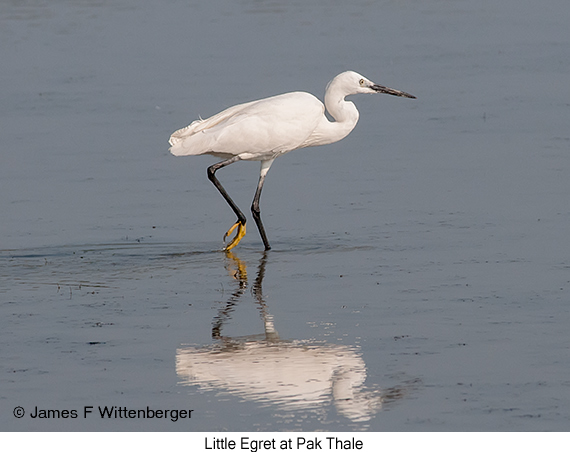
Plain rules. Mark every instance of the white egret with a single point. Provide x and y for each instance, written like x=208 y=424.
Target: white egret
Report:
x=264 y=129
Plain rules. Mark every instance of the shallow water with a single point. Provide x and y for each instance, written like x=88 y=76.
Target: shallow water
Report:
x=419 y=274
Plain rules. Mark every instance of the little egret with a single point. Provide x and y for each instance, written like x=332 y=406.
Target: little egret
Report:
x=264 y=129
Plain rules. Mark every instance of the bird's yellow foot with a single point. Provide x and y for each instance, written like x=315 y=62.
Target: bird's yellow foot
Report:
x=239 y=235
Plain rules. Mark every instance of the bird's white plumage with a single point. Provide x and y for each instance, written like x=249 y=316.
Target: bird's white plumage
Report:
x=258 y=130
x=265 y=129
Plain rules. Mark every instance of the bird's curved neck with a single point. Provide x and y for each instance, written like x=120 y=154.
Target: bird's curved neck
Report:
x=344 y=112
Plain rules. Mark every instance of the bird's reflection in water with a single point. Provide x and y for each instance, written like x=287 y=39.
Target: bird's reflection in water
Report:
x=291 y=375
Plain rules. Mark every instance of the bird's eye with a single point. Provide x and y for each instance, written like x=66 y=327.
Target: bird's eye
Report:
x=361 y=82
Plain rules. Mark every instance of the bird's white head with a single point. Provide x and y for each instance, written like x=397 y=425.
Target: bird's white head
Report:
x=351 y=82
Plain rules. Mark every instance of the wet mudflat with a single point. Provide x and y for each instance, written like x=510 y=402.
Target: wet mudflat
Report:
x=419 y=274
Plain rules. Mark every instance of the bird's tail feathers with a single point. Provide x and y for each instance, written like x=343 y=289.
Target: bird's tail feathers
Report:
x=185 y=132
x=180 y=140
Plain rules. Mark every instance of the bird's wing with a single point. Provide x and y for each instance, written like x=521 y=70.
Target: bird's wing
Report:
x=257 y=130
x=203 y=124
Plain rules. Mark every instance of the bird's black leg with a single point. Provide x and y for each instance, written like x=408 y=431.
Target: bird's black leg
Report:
x=240 y=223
x=256 y=212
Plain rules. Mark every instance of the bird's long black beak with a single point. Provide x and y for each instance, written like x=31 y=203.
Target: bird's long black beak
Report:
x=392 y=92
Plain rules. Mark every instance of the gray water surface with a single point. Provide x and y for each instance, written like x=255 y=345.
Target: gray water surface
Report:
x=419 y=274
